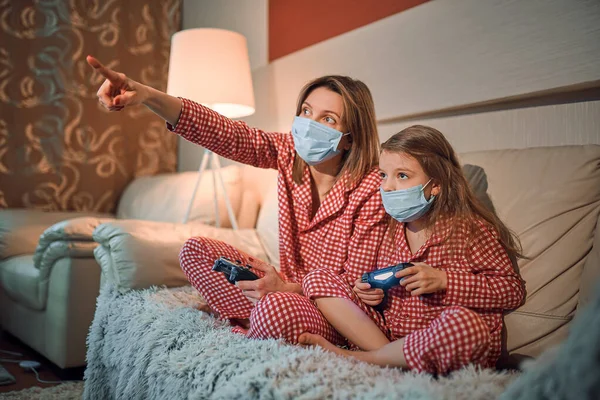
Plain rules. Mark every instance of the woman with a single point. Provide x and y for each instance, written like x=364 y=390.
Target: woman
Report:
x=330 y=212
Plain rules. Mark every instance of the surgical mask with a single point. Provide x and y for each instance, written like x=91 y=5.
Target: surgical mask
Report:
x=406 y=205
x=315 y=142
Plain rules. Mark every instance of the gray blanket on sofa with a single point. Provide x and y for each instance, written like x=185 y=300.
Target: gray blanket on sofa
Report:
x=153 y=344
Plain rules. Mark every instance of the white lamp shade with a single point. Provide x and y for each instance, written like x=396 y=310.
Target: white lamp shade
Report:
x=211 y=67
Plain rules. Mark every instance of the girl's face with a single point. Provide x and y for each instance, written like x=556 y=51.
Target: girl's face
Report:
x=402 y=171
x=326 y=107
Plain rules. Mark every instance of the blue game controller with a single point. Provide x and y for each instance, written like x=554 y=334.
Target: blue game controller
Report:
x=384 y=278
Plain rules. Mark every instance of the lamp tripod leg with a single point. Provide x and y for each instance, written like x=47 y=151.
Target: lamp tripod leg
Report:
x=230 y=213
x=201 y=169
x=215 y=169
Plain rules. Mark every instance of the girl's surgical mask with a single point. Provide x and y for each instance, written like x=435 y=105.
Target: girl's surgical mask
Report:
x=406 y=205
x=315 y=142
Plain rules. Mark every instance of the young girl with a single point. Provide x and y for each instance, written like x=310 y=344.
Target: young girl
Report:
x=330 y=213
x=447 y=311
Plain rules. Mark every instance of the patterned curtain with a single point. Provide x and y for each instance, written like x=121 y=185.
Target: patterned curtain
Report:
x=59 y=149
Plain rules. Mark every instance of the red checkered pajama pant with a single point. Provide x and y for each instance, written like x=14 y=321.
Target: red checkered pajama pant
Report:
x=276 y=315
x=456 y=338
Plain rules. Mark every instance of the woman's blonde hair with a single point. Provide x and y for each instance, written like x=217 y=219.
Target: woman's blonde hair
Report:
x=358 y=117
x=456 y=198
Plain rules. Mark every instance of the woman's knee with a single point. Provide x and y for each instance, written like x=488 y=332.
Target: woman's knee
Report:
x=197 y=252
x=276 y=307
x=281 y=315
x=316 y=282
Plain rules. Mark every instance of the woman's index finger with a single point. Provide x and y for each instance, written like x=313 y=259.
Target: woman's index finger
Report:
x=108 y=73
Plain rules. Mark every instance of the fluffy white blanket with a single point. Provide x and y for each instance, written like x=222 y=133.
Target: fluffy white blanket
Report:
x=153 y=344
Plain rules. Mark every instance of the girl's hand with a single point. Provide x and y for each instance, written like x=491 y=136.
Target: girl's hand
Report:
x=369 y=296
x=117 y=91
x=425 y=279
x=270 y=282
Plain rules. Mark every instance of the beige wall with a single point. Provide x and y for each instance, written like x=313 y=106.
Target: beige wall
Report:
x=453 y=53
x=551 y=125
x=248 y=17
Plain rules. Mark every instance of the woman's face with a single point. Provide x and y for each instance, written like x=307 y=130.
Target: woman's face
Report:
x=402 y=171
x=326 y=107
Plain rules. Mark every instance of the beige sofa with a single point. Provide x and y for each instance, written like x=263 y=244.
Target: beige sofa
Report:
x=549 y=196
x=49 y=278
x=150 y=343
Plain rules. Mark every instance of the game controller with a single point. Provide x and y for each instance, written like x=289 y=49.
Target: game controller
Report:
x=384 y=278
x=234 y=270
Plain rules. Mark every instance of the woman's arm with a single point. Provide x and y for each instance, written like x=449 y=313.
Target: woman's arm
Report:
x=165 y=106
x=194 y=122
x=232 y=139
x=293 y=288
x=270 y=282
x=118 y=91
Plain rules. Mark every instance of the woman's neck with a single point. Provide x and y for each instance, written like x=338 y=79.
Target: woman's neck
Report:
x=325 y=174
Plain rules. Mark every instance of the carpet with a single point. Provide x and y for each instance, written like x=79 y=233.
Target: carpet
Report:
x=64 y=391
x=153 y=343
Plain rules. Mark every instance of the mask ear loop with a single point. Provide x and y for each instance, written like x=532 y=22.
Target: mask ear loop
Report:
x=347 y=134
x=431 y=196
x=341 y=137
x=423 y=188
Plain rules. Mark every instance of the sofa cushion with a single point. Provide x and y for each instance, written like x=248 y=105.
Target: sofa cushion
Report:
x=256 y=184
x=551 y=198
x=139 y=254
x=21 y=282
x=165 y=197
x=267 y=225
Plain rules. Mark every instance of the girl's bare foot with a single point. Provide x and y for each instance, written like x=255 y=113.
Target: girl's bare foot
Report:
x=391 y=355
x=312 y=339
x=205 y=308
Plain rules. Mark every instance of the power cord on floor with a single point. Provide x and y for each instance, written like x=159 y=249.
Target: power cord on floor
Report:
x=12 y=353
x=32 y=365
x=9 y=360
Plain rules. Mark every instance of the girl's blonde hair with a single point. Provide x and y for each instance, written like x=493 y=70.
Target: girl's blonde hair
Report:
x=456 y=200
x=358 y=117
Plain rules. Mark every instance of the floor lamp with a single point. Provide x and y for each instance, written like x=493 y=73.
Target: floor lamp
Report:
x=211 y=67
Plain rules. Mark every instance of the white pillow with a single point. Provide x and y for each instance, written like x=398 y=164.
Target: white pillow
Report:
x=267 y=225
x=166 y=197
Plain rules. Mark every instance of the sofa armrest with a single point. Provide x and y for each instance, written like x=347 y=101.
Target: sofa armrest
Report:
x=20 y=229
x=69 y=238
x=136 y=254
x=29 y=276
